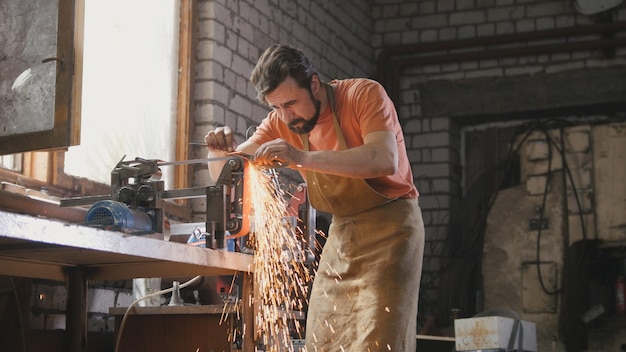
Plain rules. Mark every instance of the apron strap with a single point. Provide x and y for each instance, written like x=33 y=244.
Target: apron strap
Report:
x=330 y=93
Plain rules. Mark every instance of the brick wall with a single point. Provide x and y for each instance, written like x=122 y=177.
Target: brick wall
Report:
x=49 y=300
x=233 y=34
x=434 y=140
x=345 y=38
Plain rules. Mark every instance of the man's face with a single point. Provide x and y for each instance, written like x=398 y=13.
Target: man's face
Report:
x=296 y=106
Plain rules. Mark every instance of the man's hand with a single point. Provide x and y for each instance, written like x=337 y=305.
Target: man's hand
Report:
x=221 y=138
x=278 y=152
x=219 y=142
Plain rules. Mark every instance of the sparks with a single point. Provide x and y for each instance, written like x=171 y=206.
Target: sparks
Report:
x=280 y=275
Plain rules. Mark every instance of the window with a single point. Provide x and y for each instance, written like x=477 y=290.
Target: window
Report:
x=147 y=94
x=129 y=91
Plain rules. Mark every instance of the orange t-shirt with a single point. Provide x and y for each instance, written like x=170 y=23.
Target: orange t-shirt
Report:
x=362 y=106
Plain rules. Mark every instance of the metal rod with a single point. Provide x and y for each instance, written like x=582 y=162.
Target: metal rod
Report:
x=184 y=193
x=193 y=161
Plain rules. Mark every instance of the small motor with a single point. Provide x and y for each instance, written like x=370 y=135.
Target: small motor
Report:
x=115 y=215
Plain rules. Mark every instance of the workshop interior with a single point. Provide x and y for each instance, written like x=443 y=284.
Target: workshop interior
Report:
x=114 y=237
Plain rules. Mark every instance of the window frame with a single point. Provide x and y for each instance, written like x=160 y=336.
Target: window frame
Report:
x=66 y=128
x=45 y=169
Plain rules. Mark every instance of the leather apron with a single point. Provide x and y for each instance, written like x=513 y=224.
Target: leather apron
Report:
x=336 y=194
x=365 y=293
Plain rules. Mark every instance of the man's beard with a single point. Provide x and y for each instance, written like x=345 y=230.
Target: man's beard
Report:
x=307 y=125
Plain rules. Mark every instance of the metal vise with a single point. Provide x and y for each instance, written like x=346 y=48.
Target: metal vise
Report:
x=135 y=204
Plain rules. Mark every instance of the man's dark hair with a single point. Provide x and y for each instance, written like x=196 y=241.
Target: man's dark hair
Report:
x=276 y=64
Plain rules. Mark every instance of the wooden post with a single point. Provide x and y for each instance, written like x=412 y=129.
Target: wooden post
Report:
x=249 y=330
x=76 y=315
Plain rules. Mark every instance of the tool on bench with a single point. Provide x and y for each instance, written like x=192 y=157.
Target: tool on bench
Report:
x=137 y=200
x=136 y=203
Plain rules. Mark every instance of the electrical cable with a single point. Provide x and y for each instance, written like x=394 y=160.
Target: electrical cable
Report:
x=544 y=127
x=542 y=209
x=567 y=172
x=470 y=240
x=158 y=293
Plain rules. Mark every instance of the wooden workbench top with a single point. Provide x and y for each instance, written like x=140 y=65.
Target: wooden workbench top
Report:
x=42 y=248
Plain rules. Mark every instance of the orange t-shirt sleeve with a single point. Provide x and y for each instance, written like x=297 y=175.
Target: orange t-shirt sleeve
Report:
x=372 y=111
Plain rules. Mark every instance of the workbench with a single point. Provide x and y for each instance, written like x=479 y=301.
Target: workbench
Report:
x=44 y=248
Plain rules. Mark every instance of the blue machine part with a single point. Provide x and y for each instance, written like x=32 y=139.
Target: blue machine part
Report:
x=118 y=216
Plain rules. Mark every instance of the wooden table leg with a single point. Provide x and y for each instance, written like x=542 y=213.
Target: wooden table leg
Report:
x=76 y=315
x=249 y=330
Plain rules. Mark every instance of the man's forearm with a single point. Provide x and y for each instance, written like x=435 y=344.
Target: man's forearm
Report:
x=366 y=161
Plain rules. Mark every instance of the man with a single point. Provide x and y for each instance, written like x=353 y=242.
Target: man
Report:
x=345 y=139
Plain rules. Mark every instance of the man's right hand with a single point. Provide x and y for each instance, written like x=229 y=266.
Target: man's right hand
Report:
x=221 y=138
